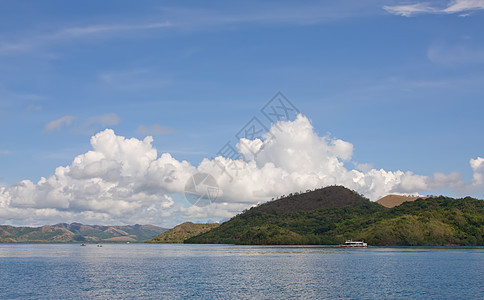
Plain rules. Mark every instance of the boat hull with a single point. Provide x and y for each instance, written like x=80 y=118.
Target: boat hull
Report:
x=354 y=244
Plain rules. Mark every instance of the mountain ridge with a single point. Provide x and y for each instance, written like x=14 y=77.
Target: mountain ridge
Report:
x=77 y=232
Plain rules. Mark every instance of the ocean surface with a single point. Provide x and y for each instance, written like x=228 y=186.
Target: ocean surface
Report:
x=177 y=271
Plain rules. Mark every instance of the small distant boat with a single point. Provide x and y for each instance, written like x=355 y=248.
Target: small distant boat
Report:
x=83 y=244
x=354 y=244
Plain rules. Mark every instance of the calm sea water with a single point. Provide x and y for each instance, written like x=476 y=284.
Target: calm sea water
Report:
x=173 y=271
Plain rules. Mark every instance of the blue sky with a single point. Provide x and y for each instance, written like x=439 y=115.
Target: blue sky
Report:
x=401 y=81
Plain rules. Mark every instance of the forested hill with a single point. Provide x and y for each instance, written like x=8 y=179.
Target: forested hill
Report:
x=181 y=232
x=329 y=197
x=333 y=214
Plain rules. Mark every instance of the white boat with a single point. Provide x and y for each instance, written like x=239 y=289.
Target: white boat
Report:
x=354 y=244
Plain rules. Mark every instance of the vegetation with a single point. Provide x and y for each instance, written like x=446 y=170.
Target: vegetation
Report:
x=180 y=233
x=77 y=232
x=341 y=214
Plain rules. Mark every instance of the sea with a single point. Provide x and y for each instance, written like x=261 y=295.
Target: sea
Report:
x=179 y=271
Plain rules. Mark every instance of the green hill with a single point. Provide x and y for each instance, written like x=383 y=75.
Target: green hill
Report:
x=77 y=232
x=181 y=232
x=333 y=214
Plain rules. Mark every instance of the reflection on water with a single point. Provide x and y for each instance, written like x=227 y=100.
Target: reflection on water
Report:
x=227 y=271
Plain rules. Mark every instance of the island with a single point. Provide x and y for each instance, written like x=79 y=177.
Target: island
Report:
x=334 y=214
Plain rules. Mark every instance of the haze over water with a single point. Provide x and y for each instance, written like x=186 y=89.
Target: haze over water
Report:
x=172 y=271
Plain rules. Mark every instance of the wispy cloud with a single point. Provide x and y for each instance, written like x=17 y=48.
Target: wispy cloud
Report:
x=462 y=7
x=5 y=152
x=34 y=107
x=133 y=79
x=104 y=120
x=87 y=127
x=154 y=130
x=57 y=124
x=455 y=54
x=270 y=13
x=71 y=33
x=26 y=101
x=101 y=29
x=459 y=6
x=410 y=9
x=97 y=122
x=195 y=19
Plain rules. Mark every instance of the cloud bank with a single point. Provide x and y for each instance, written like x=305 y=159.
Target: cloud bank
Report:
x=124 y=180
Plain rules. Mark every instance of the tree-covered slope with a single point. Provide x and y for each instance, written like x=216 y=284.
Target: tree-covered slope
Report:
x=181 y=232
x=433 y=221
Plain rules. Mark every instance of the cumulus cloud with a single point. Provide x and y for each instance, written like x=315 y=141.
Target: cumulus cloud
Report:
x=477 y=166
x=57 y=124
x=462 y=7
x=125 y=180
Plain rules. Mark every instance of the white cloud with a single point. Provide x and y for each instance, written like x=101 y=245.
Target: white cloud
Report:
x=410 y=9
x=5 y=152
x=124 y=180
x=463 y=7
x=154 y=130
x=477 y=166
x=458 y=6
x=365 y=167
x=57 y=124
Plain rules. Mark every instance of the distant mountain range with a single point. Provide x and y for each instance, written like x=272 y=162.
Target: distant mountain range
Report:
x=334 y=214
x=77 y=232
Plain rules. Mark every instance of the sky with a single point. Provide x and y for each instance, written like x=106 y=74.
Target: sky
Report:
x=113 y=112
